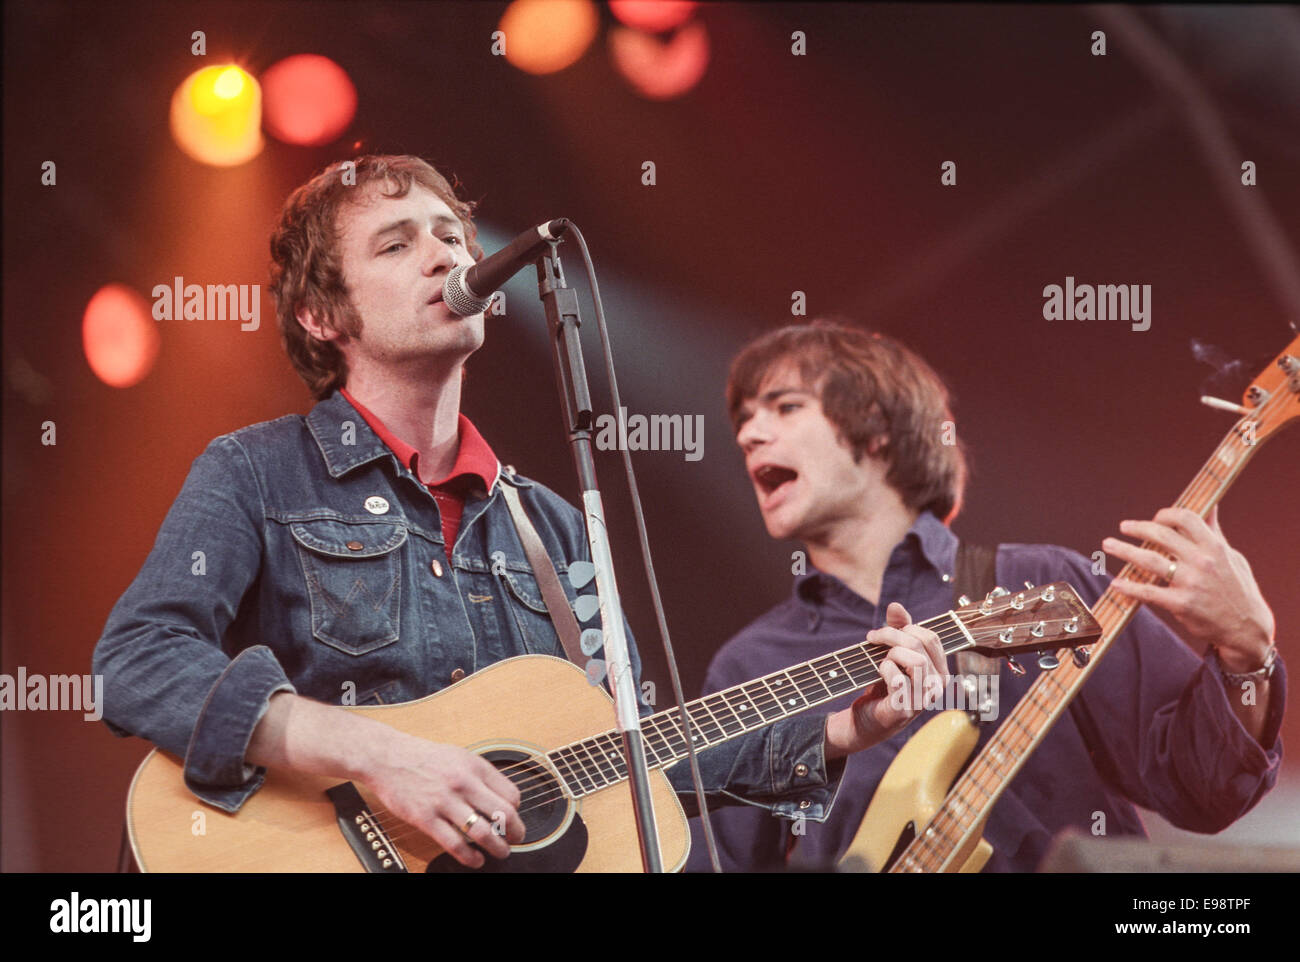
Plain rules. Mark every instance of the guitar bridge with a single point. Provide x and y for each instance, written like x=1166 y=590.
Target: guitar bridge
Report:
x=368 y=841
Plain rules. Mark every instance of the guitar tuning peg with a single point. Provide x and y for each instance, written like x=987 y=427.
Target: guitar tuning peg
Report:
x=963 y=601
x=1080 y=656
x=1015 y=666
x=1029 y=585
x=1048 y=661
x=1049 y=593
x=999 y=592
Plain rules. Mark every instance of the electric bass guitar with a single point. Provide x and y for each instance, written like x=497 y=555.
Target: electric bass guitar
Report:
x=949 y=837
x=532 y=716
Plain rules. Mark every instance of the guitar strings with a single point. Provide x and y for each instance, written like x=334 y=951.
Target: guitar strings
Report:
x=926 y=851
x=551 y=789
x=672 y=715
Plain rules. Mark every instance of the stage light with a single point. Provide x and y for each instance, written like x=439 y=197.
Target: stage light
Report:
x=661 y=70
x=119 y=336
x=308 y=100
x=216 y=116
x=654 y=16
x=543 y=36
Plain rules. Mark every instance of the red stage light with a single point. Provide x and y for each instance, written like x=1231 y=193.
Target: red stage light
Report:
x=119 y=336
x=308 y=100
x=652 y=15
x=659 y=70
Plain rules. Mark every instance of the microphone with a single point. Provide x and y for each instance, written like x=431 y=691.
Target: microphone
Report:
x=468 y=290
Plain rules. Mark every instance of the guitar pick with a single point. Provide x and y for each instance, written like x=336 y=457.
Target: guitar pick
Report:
x=581 y=573
x=595 y=671
x=586 y=607
x=591 y=641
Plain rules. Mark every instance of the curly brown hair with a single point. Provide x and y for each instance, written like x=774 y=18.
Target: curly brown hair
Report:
x=306 y=266
x=882 y=398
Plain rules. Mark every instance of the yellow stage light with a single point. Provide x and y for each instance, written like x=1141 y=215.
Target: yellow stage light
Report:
x=216 y=116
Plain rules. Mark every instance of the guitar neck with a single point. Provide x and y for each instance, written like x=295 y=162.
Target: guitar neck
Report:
x=597 y=762
x=955 y=827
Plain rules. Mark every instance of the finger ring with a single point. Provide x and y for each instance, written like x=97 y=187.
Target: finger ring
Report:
x=469 y=823
x=1169 y=575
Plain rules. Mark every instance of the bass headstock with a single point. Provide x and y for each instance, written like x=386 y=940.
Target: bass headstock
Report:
x=1273 y=398
x=1043 y=618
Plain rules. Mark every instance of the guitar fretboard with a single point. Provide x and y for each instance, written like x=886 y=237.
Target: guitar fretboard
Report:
x=595 y=763
x=954 y=830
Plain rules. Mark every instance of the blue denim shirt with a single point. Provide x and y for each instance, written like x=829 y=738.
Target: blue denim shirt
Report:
x=302 y=556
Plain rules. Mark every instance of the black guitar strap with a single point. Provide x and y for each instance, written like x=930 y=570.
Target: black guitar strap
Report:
x=975 y=576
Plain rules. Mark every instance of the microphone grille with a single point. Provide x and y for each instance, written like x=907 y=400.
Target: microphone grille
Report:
x=457 y=295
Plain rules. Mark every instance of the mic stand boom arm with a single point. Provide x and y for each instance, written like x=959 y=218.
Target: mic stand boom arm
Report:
x=563 y=320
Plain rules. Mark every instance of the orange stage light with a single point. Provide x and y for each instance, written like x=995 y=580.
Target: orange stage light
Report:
x=216 y=116
x=119 y=336
x=654 y=16
x=544 y=36
x=308 y=100
x=659 y=70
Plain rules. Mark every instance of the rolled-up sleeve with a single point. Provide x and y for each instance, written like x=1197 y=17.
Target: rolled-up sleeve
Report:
x=167 y=677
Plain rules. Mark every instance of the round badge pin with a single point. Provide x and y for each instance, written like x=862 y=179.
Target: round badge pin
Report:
x=376 y=505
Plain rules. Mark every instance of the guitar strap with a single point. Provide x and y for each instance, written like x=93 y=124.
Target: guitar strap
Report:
x=557 y=602
x=975 y=576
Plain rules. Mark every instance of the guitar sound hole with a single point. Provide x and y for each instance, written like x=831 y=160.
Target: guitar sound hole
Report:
x=542 y=804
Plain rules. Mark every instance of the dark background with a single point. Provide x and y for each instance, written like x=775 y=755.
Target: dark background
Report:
x=777 y=173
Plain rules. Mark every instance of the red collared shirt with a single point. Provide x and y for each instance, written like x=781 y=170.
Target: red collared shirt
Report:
x=474 y=461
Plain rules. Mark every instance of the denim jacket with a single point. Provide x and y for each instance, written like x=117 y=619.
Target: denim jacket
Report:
x=301 y=555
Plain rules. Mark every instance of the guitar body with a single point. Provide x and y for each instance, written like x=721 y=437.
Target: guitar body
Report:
x=522 y=706
x=913 y=789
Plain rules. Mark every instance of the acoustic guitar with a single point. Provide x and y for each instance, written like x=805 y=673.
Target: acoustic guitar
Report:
x=532 y=716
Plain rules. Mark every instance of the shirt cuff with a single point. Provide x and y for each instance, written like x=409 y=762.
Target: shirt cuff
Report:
x=215 y=769
x=1215 y=695
x=797 y=781
x=804 y=785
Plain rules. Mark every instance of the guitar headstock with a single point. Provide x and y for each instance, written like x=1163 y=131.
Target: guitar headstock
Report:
x=1044 y=618
x=1273 y=398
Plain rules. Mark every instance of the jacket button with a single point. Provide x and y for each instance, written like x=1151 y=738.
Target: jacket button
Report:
x=805 y=804
x=355 y=545
x=801 y=769
x=458 y=674
x=436 y=567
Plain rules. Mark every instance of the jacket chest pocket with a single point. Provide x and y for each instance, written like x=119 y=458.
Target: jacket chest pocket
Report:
x=527 y=607
x=354 y=581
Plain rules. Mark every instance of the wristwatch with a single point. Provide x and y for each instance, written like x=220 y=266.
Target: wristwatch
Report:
x=1262 y=673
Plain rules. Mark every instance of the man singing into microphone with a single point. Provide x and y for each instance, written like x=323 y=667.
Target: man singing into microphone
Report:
x=365 y=553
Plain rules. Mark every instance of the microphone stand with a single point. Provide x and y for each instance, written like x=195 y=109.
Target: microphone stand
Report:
x=562 y=316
